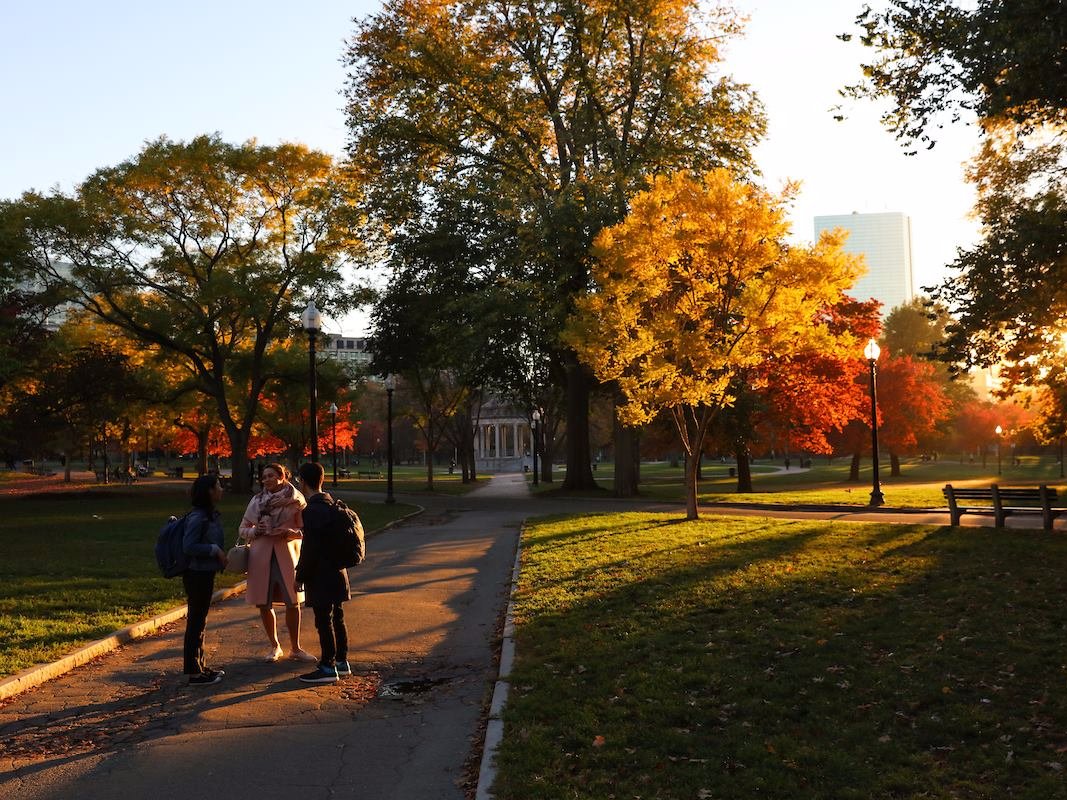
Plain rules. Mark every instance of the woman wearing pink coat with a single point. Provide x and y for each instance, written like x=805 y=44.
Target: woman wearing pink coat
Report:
x=273 y=525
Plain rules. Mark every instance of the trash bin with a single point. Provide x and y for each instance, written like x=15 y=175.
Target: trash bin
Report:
x=179 y=472
x=733 y=472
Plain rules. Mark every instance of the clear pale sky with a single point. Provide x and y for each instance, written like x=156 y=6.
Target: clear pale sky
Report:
x=86 y=84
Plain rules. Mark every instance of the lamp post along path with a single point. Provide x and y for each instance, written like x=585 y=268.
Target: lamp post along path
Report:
x=333 y=422
x=311 y=320
x=535 y=431
x=998 y=431
x=872 y=351
x=390 y=385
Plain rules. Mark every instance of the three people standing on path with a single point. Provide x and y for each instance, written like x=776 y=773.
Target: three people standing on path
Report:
x=273 y=526
x=289 y=536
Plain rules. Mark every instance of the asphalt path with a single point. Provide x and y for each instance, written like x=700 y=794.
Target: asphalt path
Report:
x=424 y=625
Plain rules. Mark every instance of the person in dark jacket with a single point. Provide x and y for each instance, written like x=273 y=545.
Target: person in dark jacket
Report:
x=202 y=541
x=325 y=582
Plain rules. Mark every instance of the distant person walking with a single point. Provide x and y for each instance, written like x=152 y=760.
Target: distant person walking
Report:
x=273 y=527
x=202 y=540
x=325 y=581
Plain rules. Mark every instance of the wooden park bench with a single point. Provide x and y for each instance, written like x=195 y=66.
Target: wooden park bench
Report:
x=1000 y=503
x=369 y=473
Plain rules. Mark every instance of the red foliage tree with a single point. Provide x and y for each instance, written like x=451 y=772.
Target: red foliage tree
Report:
x=911 y=404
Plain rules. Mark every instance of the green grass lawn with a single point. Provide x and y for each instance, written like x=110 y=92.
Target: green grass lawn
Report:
x=745 y=658
x=75 y=567
x=918 y=486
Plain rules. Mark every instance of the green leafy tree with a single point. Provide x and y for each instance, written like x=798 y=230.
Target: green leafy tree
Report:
x=1005 y=63
x=938 y=59
x=206 y=251
x=555 y=112
x=915 y=328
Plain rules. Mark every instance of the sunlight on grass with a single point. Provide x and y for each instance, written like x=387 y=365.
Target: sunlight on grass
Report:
x=770 y=658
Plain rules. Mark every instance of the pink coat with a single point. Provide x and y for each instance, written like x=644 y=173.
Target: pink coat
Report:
x=285 y=510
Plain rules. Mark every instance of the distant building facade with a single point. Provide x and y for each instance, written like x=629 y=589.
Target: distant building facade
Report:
x=884 y=240
x=349 y=350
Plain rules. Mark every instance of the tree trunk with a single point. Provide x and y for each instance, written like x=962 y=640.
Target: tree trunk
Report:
x=201 y=453
x=626 y=458
x=240 y=479
x=744 y=471
x=691 y=511
x=894 y=465
x=429 y=455
x=854 y=469
x=579 y=464
x=547 y=455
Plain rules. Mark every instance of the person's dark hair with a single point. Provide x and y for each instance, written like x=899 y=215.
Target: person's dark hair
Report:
x=200 y=492
x=312 y=474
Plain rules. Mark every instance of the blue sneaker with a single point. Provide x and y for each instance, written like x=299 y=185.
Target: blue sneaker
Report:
x=321 y=675
x=344 y=669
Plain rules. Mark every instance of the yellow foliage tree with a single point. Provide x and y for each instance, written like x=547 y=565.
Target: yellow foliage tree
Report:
x=694 y=287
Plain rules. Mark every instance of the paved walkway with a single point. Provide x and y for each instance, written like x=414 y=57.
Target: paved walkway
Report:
x=424 y=628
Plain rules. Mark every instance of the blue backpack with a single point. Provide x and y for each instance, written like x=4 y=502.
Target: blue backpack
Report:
x=170 y=552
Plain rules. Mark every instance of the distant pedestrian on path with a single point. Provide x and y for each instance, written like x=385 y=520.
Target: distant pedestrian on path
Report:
x=272 y=525
x=325 y=582
x=202 y=540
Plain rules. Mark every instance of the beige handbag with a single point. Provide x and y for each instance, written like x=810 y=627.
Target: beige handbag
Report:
x=237 y=558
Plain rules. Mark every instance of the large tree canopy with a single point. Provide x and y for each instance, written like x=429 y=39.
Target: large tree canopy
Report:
x=556 y=111
x=1000 y=59
x=1006 y=62
x=697 y=287
x=205 y=250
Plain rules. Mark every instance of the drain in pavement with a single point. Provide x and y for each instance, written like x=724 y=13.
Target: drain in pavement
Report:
x=405 y=687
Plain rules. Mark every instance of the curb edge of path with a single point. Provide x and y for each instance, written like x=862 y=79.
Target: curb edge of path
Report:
x=42 y=673
x=494 y=729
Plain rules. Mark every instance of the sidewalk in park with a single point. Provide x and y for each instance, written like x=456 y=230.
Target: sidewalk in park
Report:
x=425 y=625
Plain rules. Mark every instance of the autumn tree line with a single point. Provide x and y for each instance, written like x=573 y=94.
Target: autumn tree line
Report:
x=563 y=201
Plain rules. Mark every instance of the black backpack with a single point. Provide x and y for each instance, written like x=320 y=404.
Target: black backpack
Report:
x=347 y=546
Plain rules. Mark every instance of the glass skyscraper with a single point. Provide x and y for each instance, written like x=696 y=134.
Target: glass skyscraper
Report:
x=885 y=242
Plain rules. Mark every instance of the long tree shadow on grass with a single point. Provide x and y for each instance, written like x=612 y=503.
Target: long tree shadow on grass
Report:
x=789 y=659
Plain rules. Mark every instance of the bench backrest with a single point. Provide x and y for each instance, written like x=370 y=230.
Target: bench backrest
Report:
x=986 y=493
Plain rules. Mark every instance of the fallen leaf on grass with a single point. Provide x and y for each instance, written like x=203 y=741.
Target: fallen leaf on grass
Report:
x=599 y=741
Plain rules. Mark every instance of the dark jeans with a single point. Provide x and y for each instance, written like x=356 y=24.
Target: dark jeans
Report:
x=333 y=635
x=199 y=586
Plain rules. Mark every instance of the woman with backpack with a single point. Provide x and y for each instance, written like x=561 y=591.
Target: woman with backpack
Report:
x=273 y=526
x=202 y=540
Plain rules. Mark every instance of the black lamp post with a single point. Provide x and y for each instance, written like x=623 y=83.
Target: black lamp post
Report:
x=311 y=320
x=390 y=385
x=872 y=351
x=536 y=440
x=998 y=431
x=333 y=423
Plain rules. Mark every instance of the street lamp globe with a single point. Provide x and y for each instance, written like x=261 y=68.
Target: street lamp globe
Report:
x=311 y=319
